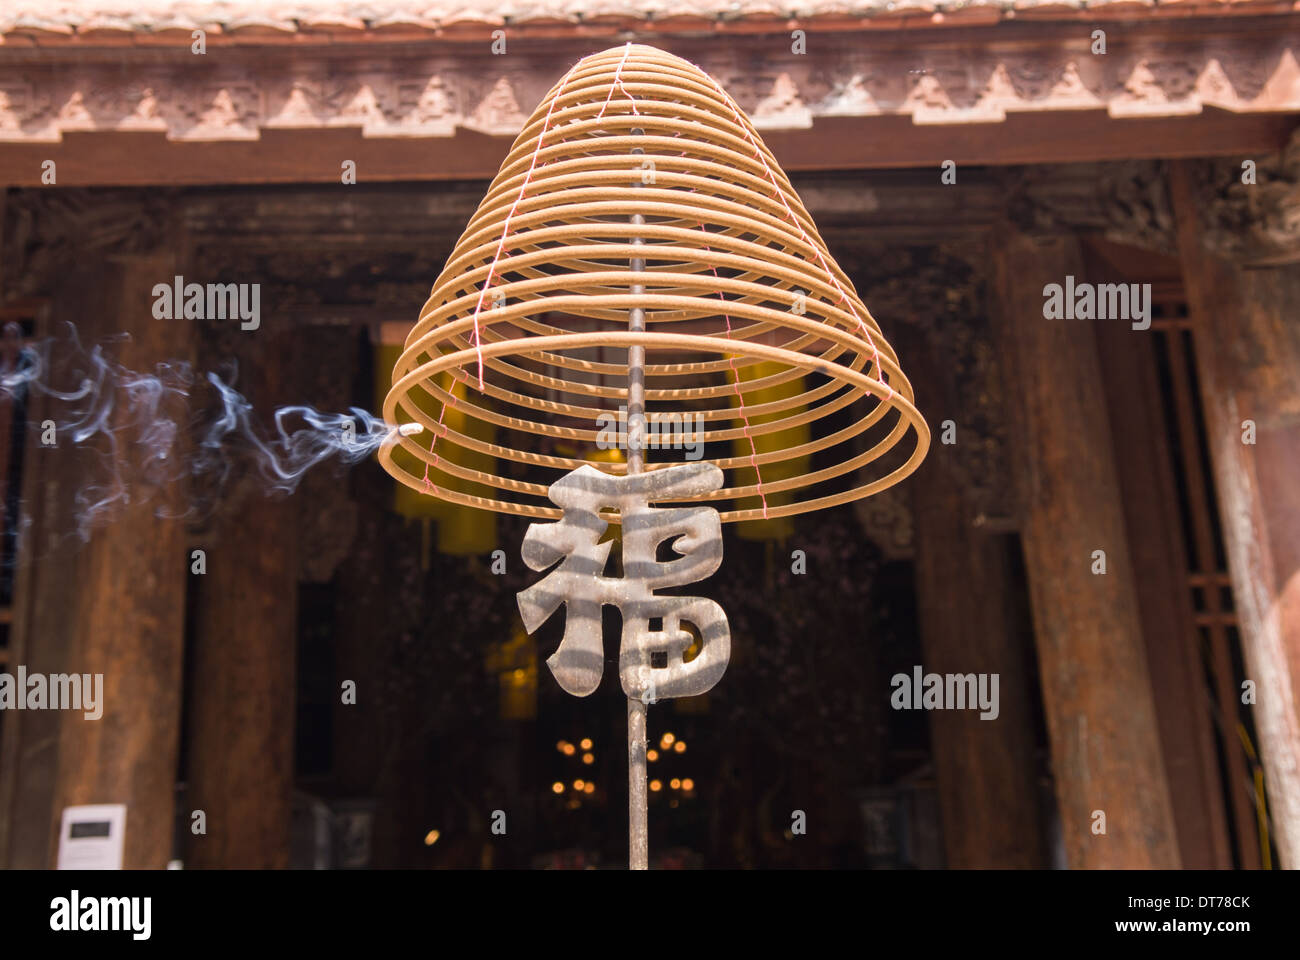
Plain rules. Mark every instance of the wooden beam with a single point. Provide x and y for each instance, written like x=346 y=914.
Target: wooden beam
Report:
x=831 y=143
x=243 y=690
x=29 y=740
x=985 y=768
x=114 y=605
x=1149 y=499
x=1102 y=723
x=1248 y=362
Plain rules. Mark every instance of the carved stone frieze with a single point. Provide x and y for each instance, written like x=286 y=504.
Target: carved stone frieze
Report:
x=1250 y=207
x=45 y=229
x=1127 y=201
x=238 y=93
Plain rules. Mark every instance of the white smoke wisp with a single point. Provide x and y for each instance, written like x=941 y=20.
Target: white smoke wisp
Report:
x=138 y=432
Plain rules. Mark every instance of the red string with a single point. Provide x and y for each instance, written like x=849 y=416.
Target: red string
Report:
x=875 y=354
x=505 y=230
x=753 y=450
x=428 y=484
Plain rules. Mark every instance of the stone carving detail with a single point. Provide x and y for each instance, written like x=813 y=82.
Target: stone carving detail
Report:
x=498 y=110
x=782 y=108
x=220 y=112
x=429 y=105
x=15 y=105
x=1127 y=201
x=1253 y=223
x=420 y=96
x=46 y=229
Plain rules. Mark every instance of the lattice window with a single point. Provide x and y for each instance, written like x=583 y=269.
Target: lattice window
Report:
x=1207 y=576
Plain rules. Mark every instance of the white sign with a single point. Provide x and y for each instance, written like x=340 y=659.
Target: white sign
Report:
x=90 y=838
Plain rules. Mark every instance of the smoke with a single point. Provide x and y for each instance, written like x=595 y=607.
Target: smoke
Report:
x=136 y=433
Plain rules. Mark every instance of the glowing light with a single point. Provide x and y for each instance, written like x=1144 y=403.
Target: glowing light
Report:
x=588 y=758
x=589 y=788
x=557 y=787
x=680 y=746
x=675 y=783
x=688 y=784
x=561 y=745
x=652 y=754
x=431 y=837
x=586 y=743
x=655 y=786
x=578 y=785
x=667 y=740
x=568 y=749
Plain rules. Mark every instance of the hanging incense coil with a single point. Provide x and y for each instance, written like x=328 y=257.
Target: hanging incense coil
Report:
x=639 y=183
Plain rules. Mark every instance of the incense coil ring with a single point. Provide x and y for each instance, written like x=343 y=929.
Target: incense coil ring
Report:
x=639 y=184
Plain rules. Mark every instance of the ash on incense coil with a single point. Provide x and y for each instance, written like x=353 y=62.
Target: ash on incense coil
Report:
x=639 y=183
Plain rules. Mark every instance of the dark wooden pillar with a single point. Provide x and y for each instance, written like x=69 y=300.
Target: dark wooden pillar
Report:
x=1244 y=312
x=1156 y=547
x=42 y=627
x=243 y=689
x=1093 y=671
x=112 y=606
x=987 y=785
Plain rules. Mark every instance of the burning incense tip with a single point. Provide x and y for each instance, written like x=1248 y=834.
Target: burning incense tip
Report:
x=410 y=429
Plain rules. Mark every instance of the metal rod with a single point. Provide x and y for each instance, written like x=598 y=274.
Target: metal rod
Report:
x=638 y=827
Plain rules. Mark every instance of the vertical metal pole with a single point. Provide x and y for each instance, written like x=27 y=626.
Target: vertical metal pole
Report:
x=638 y=816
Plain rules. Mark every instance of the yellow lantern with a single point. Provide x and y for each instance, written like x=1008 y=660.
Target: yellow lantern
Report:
x=460 y=532
x=778 y=528
x=515 y=664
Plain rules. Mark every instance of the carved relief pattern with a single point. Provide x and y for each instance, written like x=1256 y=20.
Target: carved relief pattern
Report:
x=1254 y=223
x=1127 y=201
x=431 y=97
x=45 y=229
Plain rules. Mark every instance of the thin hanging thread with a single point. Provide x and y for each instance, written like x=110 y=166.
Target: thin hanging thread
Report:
x=844 y=298
x=568 y=220
x=740 y=397
x=753 y=449
x=458 y=376
x=618 y=84
x=428 y=484
x=505 y=230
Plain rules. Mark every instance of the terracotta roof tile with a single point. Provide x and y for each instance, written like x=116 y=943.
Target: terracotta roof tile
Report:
x=328 y=20
x=27 y=23
x=395 y=23
x=49 y=21
x=1054 y=6
x=257 y=23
